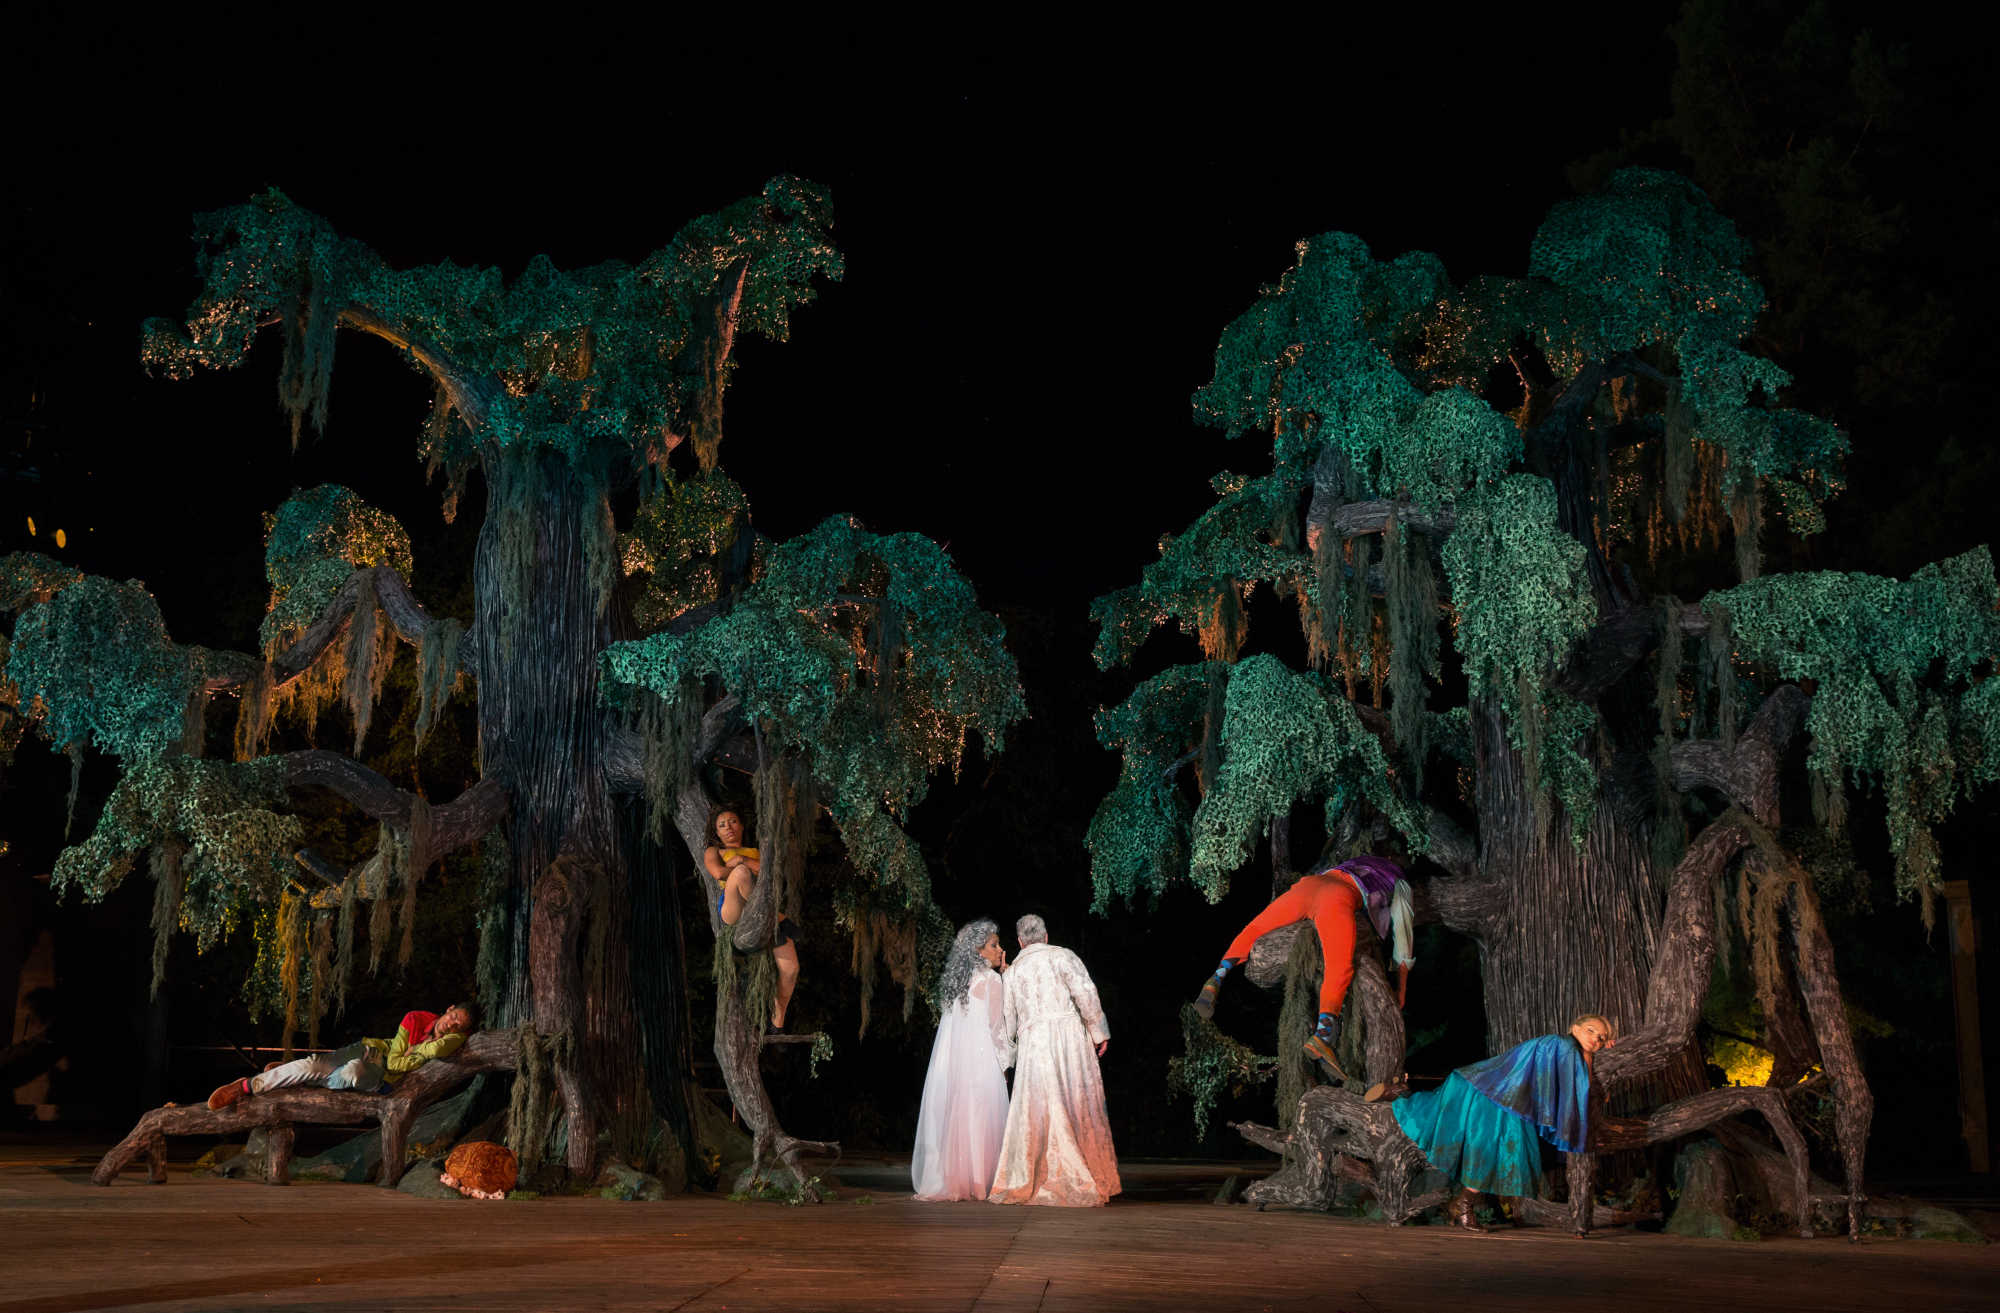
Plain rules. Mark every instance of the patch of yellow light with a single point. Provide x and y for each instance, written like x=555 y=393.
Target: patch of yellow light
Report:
x=31 y=526
x=62 y=540
x=1742 y=1063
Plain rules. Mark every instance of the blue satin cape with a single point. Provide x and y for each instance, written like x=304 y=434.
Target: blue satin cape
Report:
x=1480 y=1128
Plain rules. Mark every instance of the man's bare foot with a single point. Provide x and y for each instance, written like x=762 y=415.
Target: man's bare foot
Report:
x=225 y=1095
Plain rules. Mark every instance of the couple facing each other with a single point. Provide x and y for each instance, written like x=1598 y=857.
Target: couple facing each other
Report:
x=1050 y=1143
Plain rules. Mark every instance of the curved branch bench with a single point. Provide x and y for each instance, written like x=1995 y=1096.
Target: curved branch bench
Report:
x=278 y=1112
x=1335 y=1123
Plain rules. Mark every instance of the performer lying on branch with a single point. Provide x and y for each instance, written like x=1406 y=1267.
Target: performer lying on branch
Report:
x=1329 y=898
x=369 y=1065
x=1480 y=1127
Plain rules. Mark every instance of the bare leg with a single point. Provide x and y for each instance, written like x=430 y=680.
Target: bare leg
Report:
x=787 y=955
x=736 y=893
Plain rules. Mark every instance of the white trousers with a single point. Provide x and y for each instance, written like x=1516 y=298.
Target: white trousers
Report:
x=343 y=1069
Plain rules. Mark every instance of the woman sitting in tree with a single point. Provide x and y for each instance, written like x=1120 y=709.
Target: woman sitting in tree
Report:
x=1480 y=1128
x=1329 y=898
x=735 y=869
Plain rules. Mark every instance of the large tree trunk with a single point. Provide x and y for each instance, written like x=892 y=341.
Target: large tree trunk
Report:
x=542 y=576
x=1565 y=930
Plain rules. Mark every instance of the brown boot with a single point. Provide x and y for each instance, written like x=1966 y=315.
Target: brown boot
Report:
x=1322 y=1054
x=1462 y=1213
x=225 y=1095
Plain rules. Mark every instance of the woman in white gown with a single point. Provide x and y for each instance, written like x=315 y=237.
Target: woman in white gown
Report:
x=964 y=1112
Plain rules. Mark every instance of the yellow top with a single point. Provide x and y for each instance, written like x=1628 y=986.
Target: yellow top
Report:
x=729 y=855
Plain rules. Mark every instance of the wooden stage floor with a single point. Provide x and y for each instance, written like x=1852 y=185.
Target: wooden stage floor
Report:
x=66 y=1245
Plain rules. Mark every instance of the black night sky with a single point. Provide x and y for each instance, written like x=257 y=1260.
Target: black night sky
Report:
x=1044 y=232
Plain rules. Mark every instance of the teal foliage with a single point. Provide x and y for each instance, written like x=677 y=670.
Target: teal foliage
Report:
x=614 y=357
x=1649 y=261
x=1199 y=575
x=312 y=544
x=1285 y=736
x=239 y=850
x=1904 y=692
x=867 y=653
x=1519 y=583
x=1314 y=363
x=1524 y=599
x=683 y=530
x=1211 y=1064
x=1137 y=838
x=30 y=577
x=97 y=662
x=1554 y=748
x=1645 y=259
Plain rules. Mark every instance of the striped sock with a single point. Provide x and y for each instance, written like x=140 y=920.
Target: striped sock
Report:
x=1204 y=1002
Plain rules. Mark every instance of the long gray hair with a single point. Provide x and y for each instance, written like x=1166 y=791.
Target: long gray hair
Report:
x=963 y=960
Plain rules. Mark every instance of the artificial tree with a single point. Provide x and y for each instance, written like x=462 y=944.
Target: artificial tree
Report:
x=1486 y=500
x=608 y=667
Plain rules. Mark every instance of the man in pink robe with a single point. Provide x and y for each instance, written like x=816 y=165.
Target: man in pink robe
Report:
x=1057 y=1148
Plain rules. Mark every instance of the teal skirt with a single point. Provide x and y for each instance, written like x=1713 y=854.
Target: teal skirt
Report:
x=1472 y=1139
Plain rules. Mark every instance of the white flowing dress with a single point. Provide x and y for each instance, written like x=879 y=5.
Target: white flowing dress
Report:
x=964 y=1112
x=1058 y=1146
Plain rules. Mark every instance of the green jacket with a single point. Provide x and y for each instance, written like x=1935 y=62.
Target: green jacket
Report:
x=416 y=1043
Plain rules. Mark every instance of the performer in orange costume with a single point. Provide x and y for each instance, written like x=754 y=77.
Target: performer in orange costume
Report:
x=1329 y=900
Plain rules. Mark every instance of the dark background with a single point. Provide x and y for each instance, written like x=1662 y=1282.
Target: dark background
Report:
x=1045 y=232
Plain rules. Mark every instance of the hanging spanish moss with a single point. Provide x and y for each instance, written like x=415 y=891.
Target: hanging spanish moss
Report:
x=1669 y=825
x=1412 y=602
x=1677 y=454
x=1319 y=600
x=496 y=866
x=892 y=939
x=74 y=750
x=1746 y=521
x=438 y=676
x=253 y=714
x=1358 y=623
x=1766 y=879
x=304 y=376
x=322 y=976
x=315 y=688
x=1223 y=623
x=343 y=968
x=1295 y=1021
x=1721 y=647
x=1532 y=725
x=535 y=1106
x=378 y=875
x=1213 y=711
x=1829 y=791
x=291 y=936
x=168 y=881
x=369 y=656
x=668 y=729
x=416 y=858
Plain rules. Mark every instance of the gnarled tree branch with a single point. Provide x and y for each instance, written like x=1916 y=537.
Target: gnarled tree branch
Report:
x=1748 y=775
x=471 y=396
x=453 y=825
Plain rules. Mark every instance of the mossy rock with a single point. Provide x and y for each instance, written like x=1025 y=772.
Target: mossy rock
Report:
x=628 y=1184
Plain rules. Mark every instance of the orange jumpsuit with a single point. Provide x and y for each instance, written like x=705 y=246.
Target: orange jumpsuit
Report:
x=1329 y=900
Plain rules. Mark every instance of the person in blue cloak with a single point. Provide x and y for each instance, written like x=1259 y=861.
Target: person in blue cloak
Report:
x=1481 y=1126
